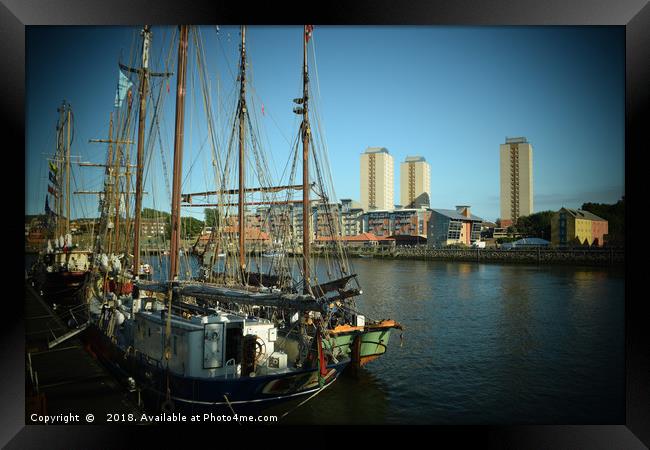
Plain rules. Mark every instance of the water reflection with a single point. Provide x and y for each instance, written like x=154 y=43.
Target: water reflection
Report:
x=351 y=400
x=516 y=318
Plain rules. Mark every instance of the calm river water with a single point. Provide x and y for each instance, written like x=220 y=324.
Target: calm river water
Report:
x=483 y=344
x=487 y=343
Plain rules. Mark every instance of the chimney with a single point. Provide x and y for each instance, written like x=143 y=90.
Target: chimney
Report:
x=463 y=210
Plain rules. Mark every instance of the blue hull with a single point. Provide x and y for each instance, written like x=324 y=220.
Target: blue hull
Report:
x=199 y=395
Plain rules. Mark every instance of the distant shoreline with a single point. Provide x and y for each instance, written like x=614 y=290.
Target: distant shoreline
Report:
x=577 y=256
x=600 y=257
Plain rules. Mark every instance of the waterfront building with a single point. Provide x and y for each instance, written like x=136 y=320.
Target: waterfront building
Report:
x=415 y=182
x=82 y=225
x=487 y=229
x=256 y=219
x=575 y=226
x=516 y=168
x=278 y=222
x=296 y=224
x=360 y=240
x=281 y=222
x=376 y=179
x=253 y=235
x=410 y=222
x=351 y=218
x=378 y=223
x=397 y=222
x=449 y=226
x=327 y=219
x=153 y=227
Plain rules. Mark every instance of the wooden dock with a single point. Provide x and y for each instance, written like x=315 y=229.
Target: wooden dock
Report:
x=67 y=378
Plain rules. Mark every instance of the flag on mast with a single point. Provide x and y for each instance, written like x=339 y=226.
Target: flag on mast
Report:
x=53 y=178
x=48 y=210
x=48 y=213
x=308 y=31
x=123 y=86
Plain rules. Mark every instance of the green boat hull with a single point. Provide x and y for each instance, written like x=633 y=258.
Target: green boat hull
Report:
x=373 y=344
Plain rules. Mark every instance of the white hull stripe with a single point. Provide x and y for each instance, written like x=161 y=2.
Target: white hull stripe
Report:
x=198 y=402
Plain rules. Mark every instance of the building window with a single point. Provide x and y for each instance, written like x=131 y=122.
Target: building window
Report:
x=454 y=230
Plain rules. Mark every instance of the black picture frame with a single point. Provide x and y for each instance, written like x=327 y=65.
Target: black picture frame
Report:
x=634 y=15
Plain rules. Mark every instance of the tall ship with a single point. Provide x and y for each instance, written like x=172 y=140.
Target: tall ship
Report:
x=199 y=344
x=62 y=267
x=289 y=221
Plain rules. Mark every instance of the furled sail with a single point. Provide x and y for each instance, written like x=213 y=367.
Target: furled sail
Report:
x=274 y=298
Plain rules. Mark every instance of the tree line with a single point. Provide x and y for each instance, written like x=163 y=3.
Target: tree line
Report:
x=539 y=224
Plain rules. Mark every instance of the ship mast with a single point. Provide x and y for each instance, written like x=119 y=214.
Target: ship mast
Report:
x=108 y=189
x=102 y=243
x=242 y=113
x=120 y=153
x=146 y=33
x=178 y=153
x=58 y=163
x=112 y=187
x=67 y=176
x=305 y=167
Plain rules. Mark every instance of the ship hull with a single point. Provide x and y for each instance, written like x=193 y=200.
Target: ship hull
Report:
x=63 y=288
x=197 y=395
x=362 y=346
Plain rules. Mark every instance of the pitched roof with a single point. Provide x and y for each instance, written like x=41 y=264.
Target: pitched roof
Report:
x=453 y=214
x=582 y=214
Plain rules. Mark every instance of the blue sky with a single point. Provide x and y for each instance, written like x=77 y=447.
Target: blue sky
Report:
x=450 y=94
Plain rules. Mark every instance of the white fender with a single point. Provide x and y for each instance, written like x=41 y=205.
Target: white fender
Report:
x=117 y=265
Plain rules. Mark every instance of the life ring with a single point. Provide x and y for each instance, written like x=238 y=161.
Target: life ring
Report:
x=167 y=406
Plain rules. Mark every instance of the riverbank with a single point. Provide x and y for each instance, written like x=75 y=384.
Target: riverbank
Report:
x=599 y=257
x=596 y=257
